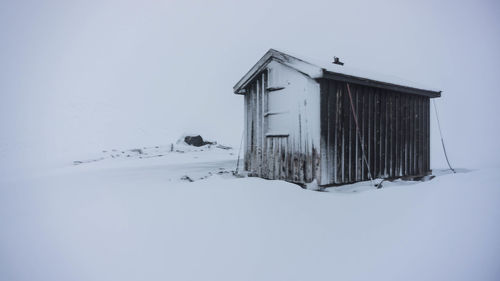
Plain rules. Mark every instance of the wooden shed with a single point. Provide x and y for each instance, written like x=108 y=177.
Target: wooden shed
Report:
x=307 y=121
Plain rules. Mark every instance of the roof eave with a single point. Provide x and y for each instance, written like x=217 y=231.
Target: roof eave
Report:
x=257 y=68
x=384 y=85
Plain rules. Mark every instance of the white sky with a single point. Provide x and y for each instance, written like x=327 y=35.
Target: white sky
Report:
x=82 y=76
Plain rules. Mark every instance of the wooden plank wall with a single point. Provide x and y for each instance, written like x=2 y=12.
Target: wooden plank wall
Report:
x=293 y=157
x=394 y=127
x=255 y=139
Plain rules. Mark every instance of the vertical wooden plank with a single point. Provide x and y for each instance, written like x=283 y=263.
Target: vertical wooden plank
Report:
x=410 y=135
x=279 y=150
x=366 y=132
x=364 y=128
x=252 y=128
x=359 y=111
x=424 y=170
x=383 y=132
x=338 y=133
x=324 y=131
x=300 y=174
x=373 y=132
x=400 y=134
x=355 y=139
x=349 y=141
x=406 y=134
x=332 y=127
x=341 y=133
x=345 y=133
x=307 y=161
x=376 y=132
x=424 y=141
x=270 y=156
x=388 y=143
x=248 y=129
x=402 y=143
x=387 y=136
x=251 y=145
x=276 y=152
x=422 y=134
x=288 y=159
x=427 y=137
x=282 y=157
x=394 y=139
x=394 y=143
x=255 y=129
x=288 y=174
x=332 y=108
x=284 y=148
x=293 y=147
x=396 y=134
x=403 y=134
x=301 y=150
x=419 y=136
x=370 y=138
x=383 y=127
x=329 y=134
x=258 y=123
x=264 y=123
x=276 y=148
x=272 y=163
x=280 y=162
x=245 y=133
x=361 y=115
x=362 y=133
x=267 y=161
x=295 y=163
x=352 y=138
x=415 y=136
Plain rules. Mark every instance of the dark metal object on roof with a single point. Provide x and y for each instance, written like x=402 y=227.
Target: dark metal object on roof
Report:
x=336 y=60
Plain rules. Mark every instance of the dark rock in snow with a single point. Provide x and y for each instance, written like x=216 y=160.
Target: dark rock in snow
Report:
x=187 y=178
x=196 y=141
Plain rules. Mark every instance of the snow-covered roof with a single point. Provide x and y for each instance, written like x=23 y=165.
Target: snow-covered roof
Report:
x=316 y=69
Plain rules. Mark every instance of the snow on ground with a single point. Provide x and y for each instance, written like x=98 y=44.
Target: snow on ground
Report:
x=169 y=162
x=134 y=218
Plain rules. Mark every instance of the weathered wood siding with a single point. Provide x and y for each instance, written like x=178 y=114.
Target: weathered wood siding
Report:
x=282 y=125
x=394 y=128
